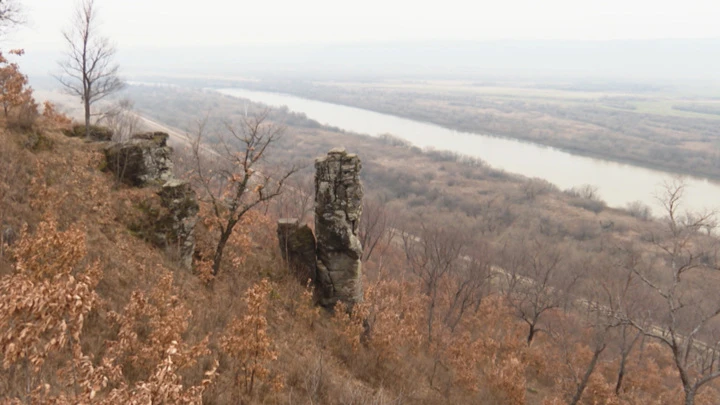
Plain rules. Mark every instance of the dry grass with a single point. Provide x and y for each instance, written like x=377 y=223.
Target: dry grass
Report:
x=324 y=358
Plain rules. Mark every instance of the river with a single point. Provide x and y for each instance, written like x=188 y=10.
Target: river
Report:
x=617 y=183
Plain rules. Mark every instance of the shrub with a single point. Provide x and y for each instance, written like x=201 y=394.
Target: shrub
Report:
x=639 y=210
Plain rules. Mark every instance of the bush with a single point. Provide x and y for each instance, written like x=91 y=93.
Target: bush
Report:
x=586 y=197
x=24 y=116
x=640 y=210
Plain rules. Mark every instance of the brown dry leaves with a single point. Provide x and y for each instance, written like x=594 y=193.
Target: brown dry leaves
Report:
x=46 y=300
x=247 y=341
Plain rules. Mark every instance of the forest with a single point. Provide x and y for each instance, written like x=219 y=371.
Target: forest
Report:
x=480 y=286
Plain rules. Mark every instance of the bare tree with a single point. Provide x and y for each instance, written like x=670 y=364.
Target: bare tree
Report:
x=536 y=281
x=593 y=327
x=431 y=256
x=376 y=227
x=617 y=291
x=684 y=321
x=229 y=176
x=469 y=284
x=297 y=199
x=439 y=257
x=122 y=120
x=10 y=15
x=89 y=71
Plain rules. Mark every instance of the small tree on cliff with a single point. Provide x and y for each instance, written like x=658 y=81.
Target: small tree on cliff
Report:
x=14 y=89
x=89 y=71
x=228 y=175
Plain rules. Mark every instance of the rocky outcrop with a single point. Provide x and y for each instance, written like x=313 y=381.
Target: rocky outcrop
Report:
x=168 y=222
x=297 y=246
x=338 y=207
x=8 y=235
x=177 y=228
x=144 y=159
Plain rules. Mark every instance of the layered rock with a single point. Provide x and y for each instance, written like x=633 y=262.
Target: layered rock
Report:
x=297 y=246
x=177 y=228
x=144 y=159
x=338 y=207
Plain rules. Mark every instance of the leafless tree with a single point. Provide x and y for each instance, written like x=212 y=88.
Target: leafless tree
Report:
x=536 y=281
x=615 y=290
x=684 y=321
x=469 y=284
x=592 y=323
x=122 y=120
x=376 y=226
x=229 y=175
x=439 y=257
x=10 y=15
x=89 y=71
x=297 y=199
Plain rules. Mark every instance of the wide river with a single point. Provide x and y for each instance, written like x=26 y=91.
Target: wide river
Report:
x=617 y=183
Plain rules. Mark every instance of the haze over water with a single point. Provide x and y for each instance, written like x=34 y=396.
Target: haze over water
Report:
x=618 y=183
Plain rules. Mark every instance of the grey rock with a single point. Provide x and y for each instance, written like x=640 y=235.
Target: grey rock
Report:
x=9 y=236
x=144 y=159
x=297 y=246
x=177 y=228
x=338 y=207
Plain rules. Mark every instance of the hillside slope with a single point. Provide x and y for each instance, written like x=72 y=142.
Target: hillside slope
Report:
x=92 y=312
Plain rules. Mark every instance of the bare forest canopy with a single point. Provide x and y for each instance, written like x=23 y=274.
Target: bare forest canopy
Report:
x=568 y=238
x=484 y=287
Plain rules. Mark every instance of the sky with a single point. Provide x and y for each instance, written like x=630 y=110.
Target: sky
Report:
x=179 y=23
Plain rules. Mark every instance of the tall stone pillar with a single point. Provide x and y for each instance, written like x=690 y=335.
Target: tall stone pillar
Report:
x=338 y=206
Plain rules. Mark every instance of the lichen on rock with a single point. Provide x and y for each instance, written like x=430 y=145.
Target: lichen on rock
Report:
x=178 y=197
x=338 y=208
x=297 y=246
x=145 y=158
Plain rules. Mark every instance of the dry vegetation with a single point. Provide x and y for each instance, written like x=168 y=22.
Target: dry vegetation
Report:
x=90 y=312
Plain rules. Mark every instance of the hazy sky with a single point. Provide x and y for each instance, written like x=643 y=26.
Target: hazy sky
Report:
x=160 y=23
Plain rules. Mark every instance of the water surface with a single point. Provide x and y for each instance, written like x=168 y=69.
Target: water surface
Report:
x=618 y=183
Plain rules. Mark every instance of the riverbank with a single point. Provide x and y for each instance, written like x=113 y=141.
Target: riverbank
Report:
x=591 y=123
x=618 y=184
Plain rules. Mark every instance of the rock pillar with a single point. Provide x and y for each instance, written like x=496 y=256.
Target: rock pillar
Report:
x=178 y=227
x=338 y=207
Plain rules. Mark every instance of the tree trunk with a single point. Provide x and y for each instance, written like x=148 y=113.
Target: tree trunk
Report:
x=431 y=314
x=586 y=377
x=87 y=118
x=621 y=375
x=689 y=396
x=531 y=334
x=217 y=258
